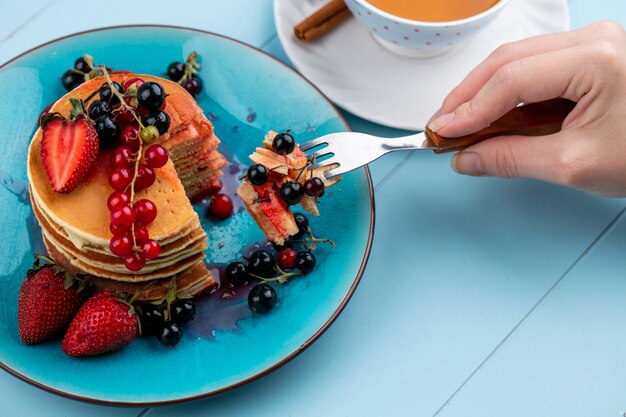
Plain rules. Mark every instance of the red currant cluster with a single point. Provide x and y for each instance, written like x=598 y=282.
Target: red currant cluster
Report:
x=133 y=166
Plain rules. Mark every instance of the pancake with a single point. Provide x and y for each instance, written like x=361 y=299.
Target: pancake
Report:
x=77 y=211
x=75 y=226
x=194 y=280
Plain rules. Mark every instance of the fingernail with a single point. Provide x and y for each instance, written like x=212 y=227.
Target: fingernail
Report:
x=441 y=122
x=435 y=115
x=467 y=163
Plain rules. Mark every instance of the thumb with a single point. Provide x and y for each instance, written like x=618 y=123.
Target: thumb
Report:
x=513 y=156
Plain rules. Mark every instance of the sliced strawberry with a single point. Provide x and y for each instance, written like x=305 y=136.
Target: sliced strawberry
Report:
x=68 y=150
x=276 y=209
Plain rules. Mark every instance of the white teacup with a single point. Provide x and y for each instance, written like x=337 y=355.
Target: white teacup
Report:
x=417 y=39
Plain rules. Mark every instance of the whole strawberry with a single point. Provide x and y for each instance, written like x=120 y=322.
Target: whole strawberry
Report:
x=105 y=323
x=49 y=298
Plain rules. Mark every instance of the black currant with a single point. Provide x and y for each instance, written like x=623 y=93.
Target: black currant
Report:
x=151 y=319
x=283 y=143
x=151 y=95
x=158 y=119
x=108 y=130
x=262 y=298
x=302 y=222
x=193 y=86
x=81 y=65
x=170 y=335
x=98 y=108
x=291 y=192
x=261 y=263
x=176 y=70
x=236 y=273
x=314 y=187
x=71 y=79
x=107 y=96
x=305 y=261
x=258 y=174
x=183 y=311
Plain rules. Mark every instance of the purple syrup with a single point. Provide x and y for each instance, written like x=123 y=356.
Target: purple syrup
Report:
x=222 y=309
x=19 y=189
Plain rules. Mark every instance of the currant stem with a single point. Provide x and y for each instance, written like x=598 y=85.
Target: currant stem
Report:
x=120 y=96
x=191 y=67
x=123 y=103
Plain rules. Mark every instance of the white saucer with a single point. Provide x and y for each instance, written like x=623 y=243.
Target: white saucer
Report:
x=358 y=74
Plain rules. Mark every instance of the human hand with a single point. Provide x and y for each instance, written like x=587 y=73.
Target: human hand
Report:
x=587 y=66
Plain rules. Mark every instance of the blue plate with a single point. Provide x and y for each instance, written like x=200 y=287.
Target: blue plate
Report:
x=246 y=93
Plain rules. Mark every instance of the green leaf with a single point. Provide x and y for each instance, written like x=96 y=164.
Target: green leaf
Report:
x=69 y=280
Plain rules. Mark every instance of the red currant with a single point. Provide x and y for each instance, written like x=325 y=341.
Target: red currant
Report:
x=141 y=234
x=145 y=211
x=120 y=178
x=156 y=156
x=221 y=206
x=121 y=245
x=287 y=258
x=134 y=80
x=118 y=198
x=314 y=187
x=135 y=261
x=145 y=177
x=118 y=230
x=123 y=216
x=151 y=249
x=122 y=157
x=125 y=116
x=130 y=137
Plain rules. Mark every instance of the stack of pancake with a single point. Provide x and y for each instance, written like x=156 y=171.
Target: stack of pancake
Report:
x=75 y=226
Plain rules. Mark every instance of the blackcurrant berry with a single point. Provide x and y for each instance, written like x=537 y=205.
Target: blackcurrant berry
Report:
x=236 y=273
x=291 y=192
x=175 y=71
x=302 y=222
x=261 y=263
x=258 y=174
x=81 y=65
x=107 y=96
x=158 y=119
x=262 y=298
x=151 y=95
x=170 y=335
x=305 y=261
x=108 y=130
x=71 y=79
x=314 y=187
x=183 y=311
x=283 y=143
x=193 y=86
x=151 y=319
x=98 y=108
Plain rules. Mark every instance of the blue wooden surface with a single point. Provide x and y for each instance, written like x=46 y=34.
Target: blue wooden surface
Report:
x=483 y=297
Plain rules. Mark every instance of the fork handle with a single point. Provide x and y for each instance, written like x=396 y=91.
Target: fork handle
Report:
x=536 y=119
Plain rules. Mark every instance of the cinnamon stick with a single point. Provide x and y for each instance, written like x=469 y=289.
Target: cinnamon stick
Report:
x=322 y=21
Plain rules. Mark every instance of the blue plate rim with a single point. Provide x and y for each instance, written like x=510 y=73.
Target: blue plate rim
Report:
x=308 y=342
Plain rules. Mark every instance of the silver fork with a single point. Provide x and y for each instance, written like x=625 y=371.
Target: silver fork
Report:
x=351 y=150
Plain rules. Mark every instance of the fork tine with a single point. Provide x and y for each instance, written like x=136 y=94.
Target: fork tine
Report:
x=313 y=143
x=318 y=154
x=335 y=172
x=325 y=163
